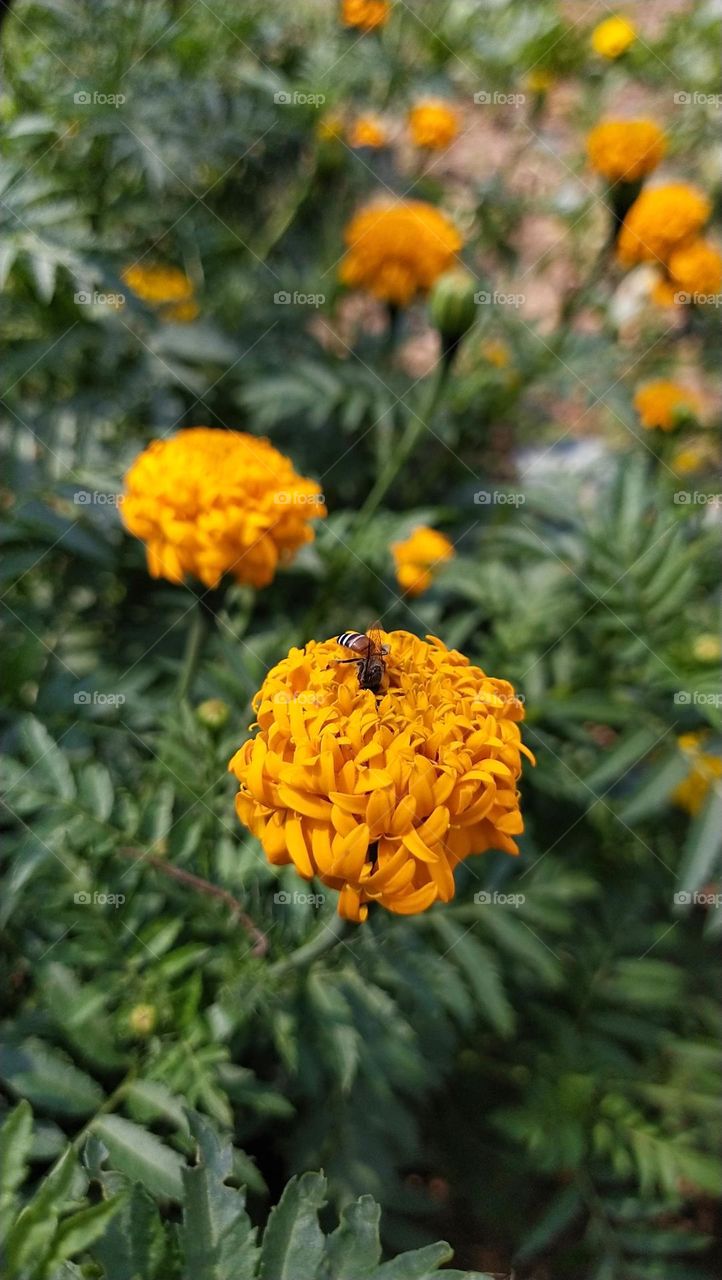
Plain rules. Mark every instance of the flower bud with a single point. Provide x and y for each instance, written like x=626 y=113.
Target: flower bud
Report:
x=452 y=306
x=213 y=713
x=142 y=1019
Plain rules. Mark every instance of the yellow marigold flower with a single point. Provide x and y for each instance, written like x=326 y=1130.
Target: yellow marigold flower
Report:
x=660 y=220
x=381 y=797
x=696 y=268
x=396 y=249
x=367 y=15
x=705 y=771
x=208 y=502
x=181 y=312
x=662 y=404
x=418 y=557
x=157 y=285
x=613 y=36
x=367 y=132
x=663 y=292
x=625 y=150
x=686 y=461
x=433 y=124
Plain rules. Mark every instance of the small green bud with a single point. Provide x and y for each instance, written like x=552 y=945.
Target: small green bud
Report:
x=452 y=305
x=213 y=713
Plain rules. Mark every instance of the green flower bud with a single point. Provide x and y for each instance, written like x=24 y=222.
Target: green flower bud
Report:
x=213 y=713
x=452 y=307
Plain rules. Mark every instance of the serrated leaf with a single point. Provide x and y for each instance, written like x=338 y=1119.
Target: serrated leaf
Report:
x=218 y=1239
x=354 y=1248
x=141 y=1156
x=48 y=1079
x=82 y=1229
x=293 y=1243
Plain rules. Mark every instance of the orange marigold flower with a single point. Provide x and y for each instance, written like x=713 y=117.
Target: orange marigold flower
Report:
x=613 y=36
x=662 y=404
x=433 y=124
x=396 y=249
x=696 y=268
x=208 y=502
x=367 y=132
x=705 y=770
x=157 y=285
x=660 y=220
x=418 y=557
x=625 y=150
x=367 y=15
x=382 y=796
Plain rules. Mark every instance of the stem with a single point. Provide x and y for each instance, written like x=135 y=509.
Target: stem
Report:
x=109 y=1105
x=195 y=640
x=260 y=941
x=330 y=933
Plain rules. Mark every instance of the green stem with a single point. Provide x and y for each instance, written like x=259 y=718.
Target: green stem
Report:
x=328 y=936
x=195 y=640
x=110 y=1104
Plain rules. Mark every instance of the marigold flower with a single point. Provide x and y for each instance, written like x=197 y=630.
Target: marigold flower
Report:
x=662 y=404
x=381 y=798
x=705 y=770
x=661 y=219
x=367 y=15
x=366 y=132
x=209 y=502
x=418 y=557
x=433 y=124
x=396 y=249
x=158 y=285
x=613 y=36
x=696 y=268
x=625 y=150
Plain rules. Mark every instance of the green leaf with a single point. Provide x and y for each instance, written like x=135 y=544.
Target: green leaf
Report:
x=354 y=1248
x=416 y=1265
x=218 y=1239
x=48 y=1079
x=16 y=1138
x=704 y=843
x=30 y=1238
x=141 y=1156
x=133 y=1245
x=49 y=765
x=82 y=1229
x=292 y=1242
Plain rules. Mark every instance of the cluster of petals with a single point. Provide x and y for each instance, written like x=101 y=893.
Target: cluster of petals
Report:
x=661 y=220
x=398 y=248
x=661 y=404
x=381 y=796
x=613 y=36
x=433 y=124
x=367 y=131
x=366 y=15
x=705 y=771
x=166 y=287
x=212 y=502
x=418 y=557
x=625 y=150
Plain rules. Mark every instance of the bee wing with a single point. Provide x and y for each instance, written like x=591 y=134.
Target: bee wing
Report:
x=376 y=643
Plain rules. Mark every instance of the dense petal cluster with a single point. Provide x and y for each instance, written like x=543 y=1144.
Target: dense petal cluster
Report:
x=367 y=131
x=705 y=769
x=366 y=15
x=613 y=36
x=625 y=150
x=660 y=220
x=209 y=502
x=396 y=249
x=418 y=557
x=662 y=404
x=433 y=124
x=695 y=269
x=165 y=287
x=381 y=797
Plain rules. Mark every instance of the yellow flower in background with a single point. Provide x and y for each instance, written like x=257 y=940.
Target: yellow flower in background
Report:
x=539 y=80
x=158 y=285
x=705 y=771
x=496 y=352
x=396 y=249
x=419 y=557
x=367 y=132
x=382 y=797
x=367 y=15
x=208 y=502
x=625 y=150
x=433 y=124
x=660 y=220
x=613 y=36
x=696 y=268
x=707 y=647
x=662 y=404
x=331 y=127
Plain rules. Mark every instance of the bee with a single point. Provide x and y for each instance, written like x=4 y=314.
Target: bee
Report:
x=370 y=651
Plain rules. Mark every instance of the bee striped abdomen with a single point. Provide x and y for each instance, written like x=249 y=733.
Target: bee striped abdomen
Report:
x=354 y=640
